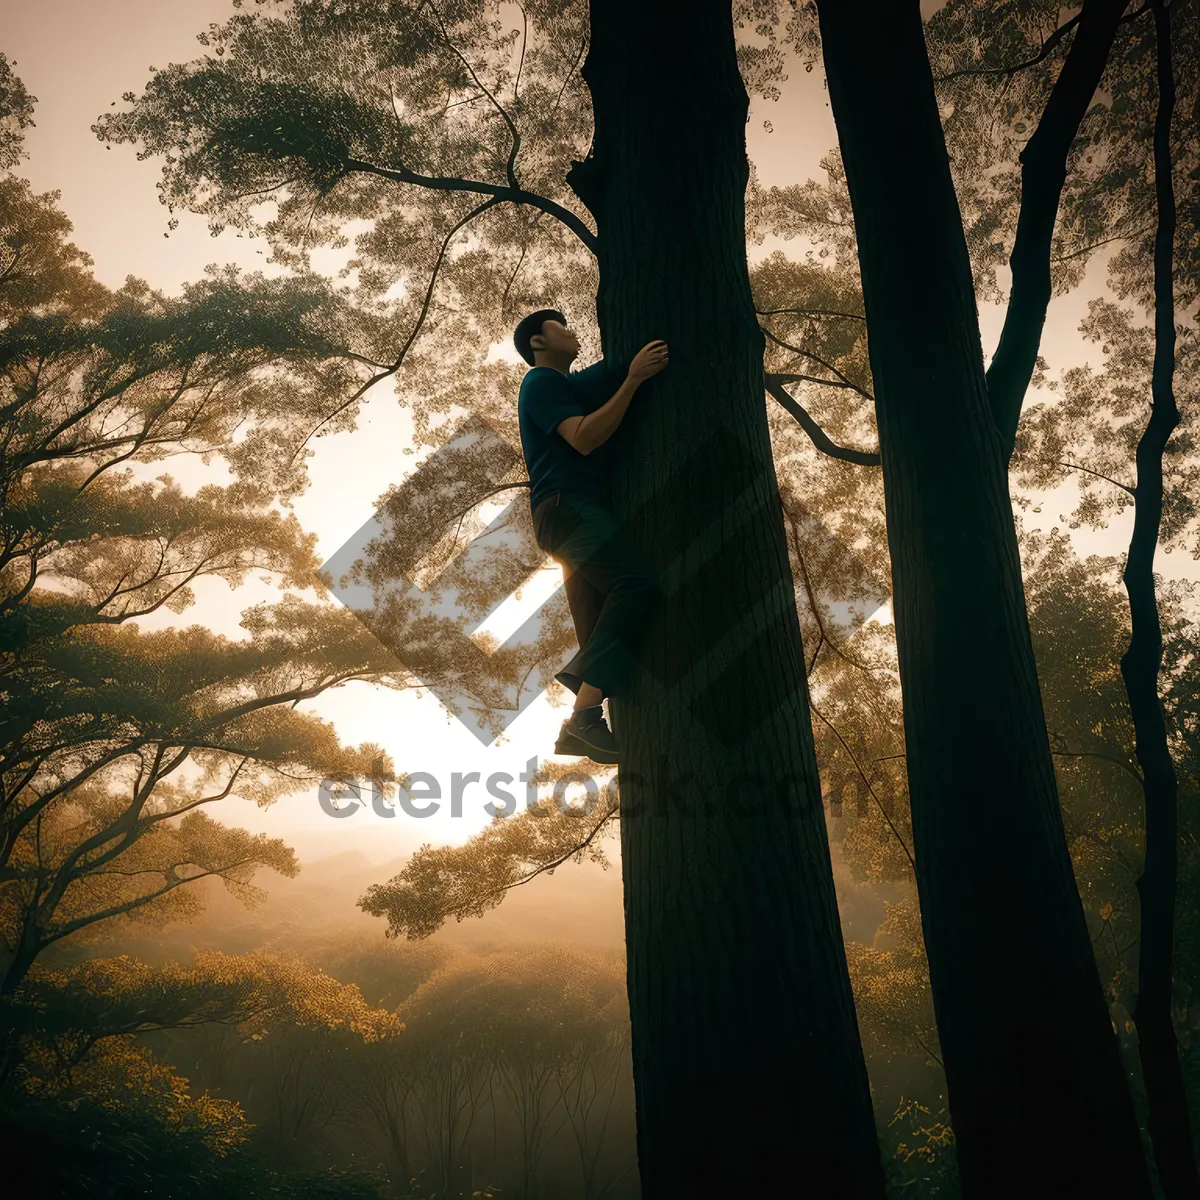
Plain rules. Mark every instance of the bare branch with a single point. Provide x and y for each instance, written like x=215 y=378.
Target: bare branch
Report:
x=819 y=438
x=524 y=42
x=570 y=74
x=1048 y=48
x=862 y=775
x=511 y=168
x=810 y=312
x=844 y=380
x=1117 y=237
x=516 y=195
x=395 y=366
x=1043 y=176
x=824 y=639
x=504 y=487
x=1112 y=758
x=1088 y=471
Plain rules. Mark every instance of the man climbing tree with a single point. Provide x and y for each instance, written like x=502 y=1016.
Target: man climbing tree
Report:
x=565 y=419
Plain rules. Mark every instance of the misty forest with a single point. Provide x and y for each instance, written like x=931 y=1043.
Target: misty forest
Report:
x=895 y=890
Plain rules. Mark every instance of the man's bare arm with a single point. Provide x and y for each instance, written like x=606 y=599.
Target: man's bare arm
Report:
x=584 y=434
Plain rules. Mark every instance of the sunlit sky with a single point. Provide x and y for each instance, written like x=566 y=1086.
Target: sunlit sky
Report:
x=78 y=57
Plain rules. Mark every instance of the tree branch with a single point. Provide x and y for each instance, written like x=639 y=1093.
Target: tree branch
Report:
x=516 y=195
x=504 y=487
x=810 y=312
x=1117 y=237
x=824 y=638
x=1112 y=758
x=845 y=381
x=118 y=910
x=395 y=366
x=1048 y=48
x=1088 y=471
x=511 y=167
x=1043 y=175
x=819 y=438
x=862 y=775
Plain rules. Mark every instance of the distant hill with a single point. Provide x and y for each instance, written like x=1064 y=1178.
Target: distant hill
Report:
x=579 y=903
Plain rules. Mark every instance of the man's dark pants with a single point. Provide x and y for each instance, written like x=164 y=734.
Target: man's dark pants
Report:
x=610 y=587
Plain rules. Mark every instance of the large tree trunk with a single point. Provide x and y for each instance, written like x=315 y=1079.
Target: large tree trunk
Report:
x=748 y=1070
x=1020 y=1011
x=1166 y=1096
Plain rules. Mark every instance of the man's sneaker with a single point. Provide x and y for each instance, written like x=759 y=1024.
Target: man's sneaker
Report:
x=586 y=734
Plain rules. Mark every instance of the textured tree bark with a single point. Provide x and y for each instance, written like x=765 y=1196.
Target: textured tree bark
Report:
x=993 y=870
x=1166 y=1096
x=748 y=1070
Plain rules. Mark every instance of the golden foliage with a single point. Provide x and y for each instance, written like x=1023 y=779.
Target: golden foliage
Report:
x=121 y=1075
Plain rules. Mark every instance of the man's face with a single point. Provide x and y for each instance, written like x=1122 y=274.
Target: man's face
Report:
x=557 y=337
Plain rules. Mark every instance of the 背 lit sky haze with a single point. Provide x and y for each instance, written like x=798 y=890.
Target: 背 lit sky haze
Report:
x=78 y=57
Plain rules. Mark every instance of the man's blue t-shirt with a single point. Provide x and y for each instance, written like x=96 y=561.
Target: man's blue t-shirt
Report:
x=547 y=398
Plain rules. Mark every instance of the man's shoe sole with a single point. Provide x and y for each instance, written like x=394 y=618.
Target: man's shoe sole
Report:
x=572 y=743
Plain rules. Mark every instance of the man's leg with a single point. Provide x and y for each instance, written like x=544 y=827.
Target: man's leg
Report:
x=610 y=588
x=586 y=602
x=602 y=560
x=584 y=732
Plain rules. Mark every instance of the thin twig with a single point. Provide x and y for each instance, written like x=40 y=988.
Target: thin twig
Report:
x=846 y=381
x=811 y=312
x=395 y=366
x=874 y=795
x=511 y=170
x=1088 y=471
x=1048 y=48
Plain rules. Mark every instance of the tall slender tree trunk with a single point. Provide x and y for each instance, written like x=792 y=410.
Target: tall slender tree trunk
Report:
x=1043 y=174
x=748 y=1071
x=1166 y=1097
x=1017 y=995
